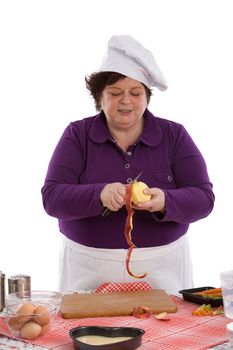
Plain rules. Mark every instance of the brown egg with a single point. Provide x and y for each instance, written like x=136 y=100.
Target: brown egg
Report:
x=42 y=316
x=25 y=309
x=24 y=312
x=15 y=323
x=45 y=329
x=30 y=330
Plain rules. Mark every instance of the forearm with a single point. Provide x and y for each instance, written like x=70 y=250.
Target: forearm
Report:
x=188 y=204
x=69 y=202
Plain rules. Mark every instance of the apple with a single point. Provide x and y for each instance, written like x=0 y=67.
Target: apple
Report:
x=138 y=194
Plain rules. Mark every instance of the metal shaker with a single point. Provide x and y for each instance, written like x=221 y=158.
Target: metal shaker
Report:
x=19 y=284
x=2 y=290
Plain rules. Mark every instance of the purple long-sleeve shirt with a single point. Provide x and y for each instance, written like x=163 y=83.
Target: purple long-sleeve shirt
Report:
x=86 y=158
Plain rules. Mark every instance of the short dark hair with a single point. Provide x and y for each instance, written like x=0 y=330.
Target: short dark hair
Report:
x=97 y=82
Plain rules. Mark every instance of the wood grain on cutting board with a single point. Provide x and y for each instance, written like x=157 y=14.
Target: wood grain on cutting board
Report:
x=115 y=304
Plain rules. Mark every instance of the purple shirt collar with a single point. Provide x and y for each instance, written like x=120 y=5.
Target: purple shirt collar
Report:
x=151 y=135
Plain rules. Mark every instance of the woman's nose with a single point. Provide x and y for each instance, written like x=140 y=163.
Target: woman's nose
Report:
x=125 y=98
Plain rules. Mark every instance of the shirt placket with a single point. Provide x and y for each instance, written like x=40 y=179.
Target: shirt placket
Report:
x=128 y=159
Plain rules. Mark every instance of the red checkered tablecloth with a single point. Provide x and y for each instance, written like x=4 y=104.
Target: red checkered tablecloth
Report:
x=119 y=287
x=182 y=332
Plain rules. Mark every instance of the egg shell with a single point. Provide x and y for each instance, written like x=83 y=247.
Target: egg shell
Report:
x=30 y=330
x=25 y=309
x=24 y=313
x=16 y=322
x=42 y=316
x=45 y=328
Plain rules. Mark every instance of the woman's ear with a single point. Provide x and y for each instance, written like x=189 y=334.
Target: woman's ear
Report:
x=99 y=105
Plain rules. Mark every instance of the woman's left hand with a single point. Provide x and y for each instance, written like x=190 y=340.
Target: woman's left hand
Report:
x=156 y=203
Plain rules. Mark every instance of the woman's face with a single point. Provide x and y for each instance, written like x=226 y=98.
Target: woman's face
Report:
x=124 y=103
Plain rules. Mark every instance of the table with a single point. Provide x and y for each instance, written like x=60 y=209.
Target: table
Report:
x=182 y=332
x=8 y=343
x=11 y=344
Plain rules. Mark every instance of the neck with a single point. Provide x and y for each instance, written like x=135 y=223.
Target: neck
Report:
x=125 y=138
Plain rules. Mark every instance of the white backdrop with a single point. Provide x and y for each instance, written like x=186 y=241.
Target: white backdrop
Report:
x=46 y=49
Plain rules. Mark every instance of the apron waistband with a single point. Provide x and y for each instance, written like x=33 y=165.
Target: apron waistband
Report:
x=138 y=254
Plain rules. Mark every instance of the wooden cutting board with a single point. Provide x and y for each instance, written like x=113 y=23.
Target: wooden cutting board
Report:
x=115 y=304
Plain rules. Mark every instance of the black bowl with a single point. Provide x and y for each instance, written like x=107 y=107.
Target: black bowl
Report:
x=134 y=342
x=189 y=295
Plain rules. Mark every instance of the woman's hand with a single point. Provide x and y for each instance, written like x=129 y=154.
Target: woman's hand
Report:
x=112 y=196
x=156 y=203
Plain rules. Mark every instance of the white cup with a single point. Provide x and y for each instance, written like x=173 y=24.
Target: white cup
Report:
x=230 y=332
x=227 y=292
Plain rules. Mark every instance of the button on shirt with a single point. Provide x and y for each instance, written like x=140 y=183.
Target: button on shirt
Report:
x=86 y=159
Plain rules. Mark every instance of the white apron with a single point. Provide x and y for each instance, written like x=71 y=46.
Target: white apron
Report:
x=168 y=267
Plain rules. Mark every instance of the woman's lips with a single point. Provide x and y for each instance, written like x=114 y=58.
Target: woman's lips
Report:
x=125 y=111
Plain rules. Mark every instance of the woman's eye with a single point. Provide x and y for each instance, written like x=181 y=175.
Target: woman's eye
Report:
x=134 y=94
x=115 y=93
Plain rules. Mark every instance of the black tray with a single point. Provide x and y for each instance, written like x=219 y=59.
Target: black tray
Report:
x=130 y=344
x=188 y=294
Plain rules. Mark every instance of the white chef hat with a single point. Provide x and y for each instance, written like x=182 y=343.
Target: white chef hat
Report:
x=127 y=56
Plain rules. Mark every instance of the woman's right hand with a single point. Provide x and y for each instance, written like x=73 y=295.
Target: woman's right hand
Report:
x=112 y=196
